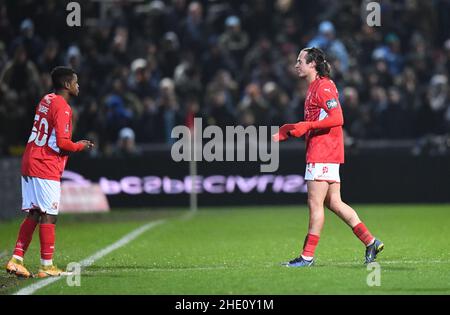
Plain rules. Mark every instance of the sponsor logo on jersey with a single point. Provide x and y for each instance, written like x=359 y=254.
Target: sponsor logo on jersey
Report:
x=332 y=103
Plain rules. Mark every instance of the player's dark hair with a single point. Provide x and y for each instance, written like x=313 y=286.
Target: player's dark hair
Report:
x=323 y=68
x=61 y=76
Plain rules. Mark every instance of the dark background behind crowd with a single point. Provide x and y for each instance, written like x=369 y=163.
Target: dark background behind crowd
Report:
x=147 y=66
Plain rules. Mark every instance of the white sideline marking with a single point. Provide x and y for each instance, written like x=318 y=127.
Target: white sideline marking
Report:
x=91 y=259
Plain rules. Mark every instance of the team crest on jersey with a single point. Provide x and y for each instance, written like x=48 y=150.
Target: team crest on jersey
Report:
x=332 y=103
x=55 y=206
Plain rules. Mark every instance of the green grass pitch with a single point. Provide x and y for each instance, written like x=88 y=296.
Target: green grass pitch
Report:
x=239 y=251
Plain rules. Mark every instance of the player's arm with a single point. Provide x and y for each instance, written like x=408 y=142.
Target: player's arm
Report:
x=334 y=119
x=63 y=136
x=327 y=100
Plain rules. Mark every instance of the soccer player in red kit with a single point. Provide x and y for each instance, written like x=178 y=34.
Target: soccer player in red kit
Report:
x=43 y=163
x=324 y=153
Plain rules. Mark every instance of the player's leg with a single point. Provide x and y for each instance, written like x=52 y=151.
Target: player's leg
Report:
x=47 y=229
x=47 y=236
x=15 y=265
x=26 y=231
x=334 y=202
x=48 y=197
x=317 y=191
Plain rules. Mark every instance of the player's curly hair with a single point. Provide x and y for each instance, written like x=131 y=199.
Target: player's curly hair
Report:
x=317 y=55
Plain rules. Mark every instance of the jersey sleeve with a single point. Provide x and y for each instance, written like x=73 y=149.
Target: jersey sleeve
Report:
x=327 y=97
x=61 y=119
x=328 y=100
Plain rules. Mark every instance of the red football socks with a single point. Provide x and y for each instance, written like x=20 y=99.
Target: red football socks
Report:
x=25 y=236
x=47 y=236
x=310 y=244
x=363 y=234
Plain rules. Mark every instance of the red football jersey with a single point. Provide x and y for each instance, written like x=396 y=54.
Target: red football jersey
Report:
x=43 y=158
x=323 y=145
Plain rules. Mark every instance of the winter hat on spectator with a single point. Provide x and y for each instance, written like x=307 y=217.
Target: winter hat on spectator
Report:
x=391 y=38
x=138 y=64
x=447 y=44
x=326 y=27
x=125 y=133
x=26 y=24
x=439 y=79
x=73 y=51
x=232 y=21
x=157 y=7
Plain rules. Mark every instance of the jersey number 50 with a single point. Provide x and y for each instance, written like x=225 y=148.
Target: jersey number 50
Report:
x=39 y=137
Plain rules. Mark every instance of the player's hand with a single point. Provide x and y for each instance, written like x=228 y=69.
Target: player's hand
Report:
x=283 y=133
x=87 y=144
x=300 y=129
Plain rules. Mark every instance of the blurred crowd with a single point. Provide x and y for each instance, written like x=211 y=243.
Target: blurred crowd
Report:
x=147 y=66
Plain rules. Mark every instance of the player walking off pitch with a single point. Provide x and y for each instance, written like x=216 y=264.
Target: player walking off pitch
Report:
x=324 y=153
x=43 y=163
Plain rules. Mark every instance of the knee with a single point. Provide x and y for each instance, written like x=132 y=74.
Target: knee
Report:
x=316 y=209
x=314 y=203
x=334 y=203
x=34 y=215
x=48 y=219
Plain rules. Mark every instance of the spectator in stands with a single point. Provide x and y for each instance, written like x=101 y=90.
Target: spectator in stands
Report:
x=3 y=55
x=217 y=110
x=168 y=109
x=396 y=119
x=327 y=41
x=280 y=110
x=29 y=40
x=234 y=41
x=253 y=104
x=126 y=145
x=438 y=100
x=194 y=28
x=214 y=60
x=20 y=86
x=391 y=53
x=50 y=57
